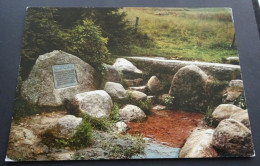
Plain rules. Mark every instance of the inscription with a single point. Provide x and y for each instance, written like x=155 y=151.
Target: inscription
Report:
x=64 y=76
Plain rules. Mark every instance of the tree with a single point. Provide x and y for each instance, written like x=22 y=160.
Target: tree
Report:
x=86 y=41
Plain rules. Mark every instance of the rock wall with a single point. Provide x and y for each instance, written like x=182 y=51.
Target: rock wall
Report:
x=167 y=68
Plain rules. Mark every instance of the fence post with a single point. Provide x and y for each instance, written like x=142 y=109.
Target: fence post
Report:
x=233 y=42
x=136 y=23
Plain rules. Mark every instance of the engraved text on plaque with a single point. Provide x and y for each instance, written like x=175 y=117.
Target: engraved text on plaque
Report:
x=64 y=75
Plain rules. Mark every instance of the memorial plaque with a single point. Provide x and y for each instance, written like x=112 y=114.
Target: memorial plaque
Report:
x=64 y=76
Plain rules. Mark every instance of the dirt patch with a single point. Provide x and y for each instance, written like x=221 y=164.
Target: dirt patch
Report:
x=167 y=126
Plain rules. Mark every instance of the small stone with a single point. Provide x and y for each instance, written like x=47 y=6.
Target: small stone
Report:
x=224 y=111
x=66 y=126
x=236 y=83
x=154 y=85
x=136 y=95
x=159 y=107
x=116 y=91
x=242 y=117
x=120 y=127
x=132 y=113
x=139 y=88
x=133 y=82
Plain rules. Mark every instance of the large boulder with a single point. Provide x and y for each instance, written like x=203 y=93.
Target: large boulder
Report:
x=224 y=111
x=234 y=138
x=127 y=68
x=66 y=126
x=116 y=91
x=154 y=85
x=242 y=117
x=94 y=103
x=188 y=88
x=39 y=88
x=199 y=145
x=136 y=95
x=110 y=74
x=132 y=113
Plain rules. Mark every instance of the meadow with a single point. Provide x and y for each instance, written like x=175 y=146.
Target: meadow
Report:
x=186 y=34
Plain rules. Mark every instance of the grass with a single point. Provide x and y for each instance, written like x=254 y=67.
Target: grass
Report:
x=186 y=34
x=208 y=119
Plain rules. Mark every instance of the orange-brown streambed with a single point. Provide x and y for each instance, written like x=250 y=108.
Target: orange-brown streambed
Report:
x=167 y=126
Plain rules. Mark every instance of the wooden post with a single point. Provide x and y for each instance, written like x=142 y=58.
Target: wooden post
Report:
x=136 y=23
x=233 y=42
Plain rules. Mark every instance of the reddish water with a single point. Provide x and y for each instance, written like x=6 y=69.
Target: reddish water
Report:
x=173 y=127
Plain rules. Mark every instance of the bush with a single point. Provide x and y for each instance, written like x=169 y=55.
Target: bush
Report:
x=86 y=42
x=168 y=101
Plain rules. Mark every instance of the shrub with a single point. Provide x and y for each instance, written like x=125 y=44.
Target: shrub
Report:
x=86 y=42
x=168 y=101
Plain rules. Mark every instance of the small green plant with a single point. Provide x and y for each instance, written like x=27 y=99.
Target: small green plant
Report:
x=83 y=135
x=82 y=138
x=97 y=123
x=114 y=115
x=168 y=101
x=208 y=117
